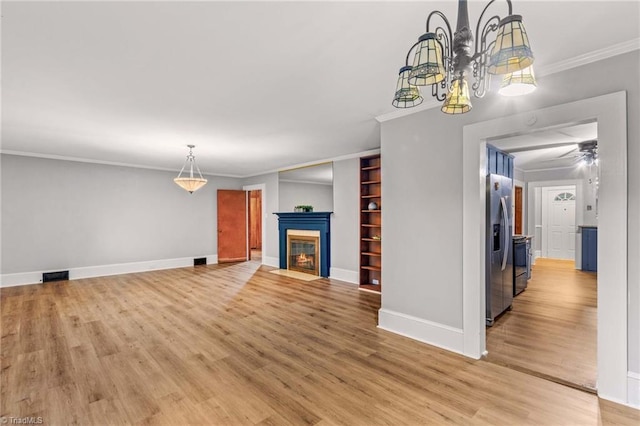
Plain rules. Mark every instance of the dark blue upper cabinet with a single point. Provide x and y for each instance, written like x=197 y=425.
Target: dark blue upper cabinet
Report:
x=499 y=162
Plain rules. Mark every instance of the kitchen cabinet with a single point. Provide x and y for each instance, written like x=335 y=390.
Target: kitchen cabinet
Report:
x=499 y=162
x=590 y=249
x=370 y=223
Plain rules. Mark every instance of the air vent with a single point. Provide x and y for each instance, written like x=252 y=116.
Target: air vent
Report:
x=55 y=276
x=199 y=261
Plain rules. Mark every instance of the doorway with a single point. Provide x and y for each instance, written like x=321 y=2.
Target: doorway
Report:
x=255 y=225
x=551 y=330
x=256 y=242
x=232 y=226
x=610 y=113
x=240 y=225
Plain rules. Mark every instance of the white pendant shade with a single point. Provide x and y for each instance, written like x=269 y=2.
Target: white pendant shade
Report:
x=191 y=183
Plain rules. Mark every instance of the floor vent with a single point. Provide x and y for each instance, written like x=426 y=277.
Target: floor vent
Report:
x=55 y=276
x=199 y=261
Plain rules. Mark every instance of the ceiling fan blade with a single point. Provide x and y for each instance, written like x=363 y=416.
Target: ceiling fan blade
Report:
x=573 y=151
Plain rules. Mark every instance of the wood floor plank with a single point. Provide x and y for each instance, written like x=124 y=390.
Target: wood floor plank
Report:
x=552 y=327
x=236 y=345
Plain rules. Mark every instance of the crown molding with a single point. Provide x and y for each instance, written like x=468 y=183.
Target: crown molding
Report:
x=588 y=58
x=567 y=64
x=102 y=162
x=407 y=111
x=141 y=166
x=318 y=162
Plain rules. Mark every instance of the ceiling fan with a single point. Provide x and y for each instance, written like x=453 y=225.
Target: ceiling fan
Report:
x=585 y=153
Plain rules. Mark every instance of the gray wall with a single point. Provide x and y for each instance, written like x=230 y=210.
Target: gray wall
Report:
x=345 y=240
x=293 y=194
x=422 y=183
x=63 y=214
x=587 y=194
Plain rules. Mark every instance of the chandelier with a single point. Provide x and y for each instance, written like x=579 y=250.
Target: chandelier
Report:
x=190 y=183
x=444 y=60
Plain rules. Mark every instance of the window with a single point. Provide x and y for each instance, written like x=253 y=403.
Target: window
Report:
x=565 y=196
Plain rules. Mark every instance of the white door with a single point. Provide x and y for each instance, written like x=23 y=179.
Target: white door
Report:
x=561 y=222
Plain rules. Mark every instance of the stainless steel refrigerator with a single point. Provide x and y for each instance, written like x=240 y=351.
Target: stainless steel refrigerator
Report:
x=499 y=273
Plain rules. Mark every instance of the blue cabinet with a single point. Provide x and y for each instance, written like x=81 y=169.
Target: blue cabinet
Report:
x=590 y=249
x=499 y=163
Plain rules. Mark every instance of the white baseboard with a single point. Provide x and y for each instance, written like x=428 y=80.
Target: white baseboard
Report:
x=11 y=280
x=22 y=278
x=344 y=275
x=271 y=261
x=633 y=389
x=440 y=335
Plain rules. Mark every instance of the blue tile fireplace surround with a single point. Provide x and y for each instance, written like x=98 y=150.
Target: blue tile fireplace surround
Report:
x=311 y=221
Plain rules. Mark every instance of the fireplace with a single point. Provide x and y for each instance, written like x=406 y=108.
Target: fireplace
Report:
x=311 y=225
x=303 y=251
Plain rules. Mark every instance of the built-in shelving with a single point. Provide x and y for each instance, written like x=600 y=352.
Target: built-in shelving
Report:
x=370 y=224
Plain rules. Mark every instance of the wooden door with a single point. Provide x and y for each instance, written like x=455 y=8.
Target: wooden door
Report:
x=518 y=211
x=255 y=220
x=232 y=225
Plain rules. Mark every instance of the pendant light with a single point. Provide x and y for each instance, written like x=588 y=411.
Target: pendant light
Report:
x=444 y=60
x=191 y=183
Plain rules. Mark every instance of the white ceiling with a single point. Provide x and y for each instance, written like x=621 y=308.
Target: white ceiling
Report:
x=256 y=86
x=548 y=149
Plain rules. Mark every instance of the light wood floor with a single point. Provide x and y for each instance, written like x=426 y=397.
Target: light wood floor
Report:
x=234 y=344
x=551 y=330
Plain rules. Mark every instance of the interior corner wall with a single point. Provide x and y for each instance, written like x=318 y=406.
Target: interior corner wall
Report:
x=422 y=186
x=345 y=238
x=270 y=197
x=59 y=215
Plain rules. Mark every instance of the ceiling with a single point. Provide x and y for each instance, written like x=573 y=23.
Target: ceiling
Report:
x=256 y=86
x=548 y=149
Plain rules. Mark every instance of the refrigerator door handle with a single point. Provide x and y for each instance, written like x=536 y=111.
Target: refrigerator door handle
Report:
x=505 y=215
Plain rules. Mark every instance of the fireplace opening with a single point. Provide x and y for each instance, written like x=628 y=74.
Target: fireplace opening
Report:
x=303 y=251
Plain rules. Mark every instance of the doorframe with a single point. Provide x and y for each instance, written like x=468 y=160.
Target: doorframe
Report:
x=263 y=190
x=610 y=112
x=536 y=186
x=545 y=214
